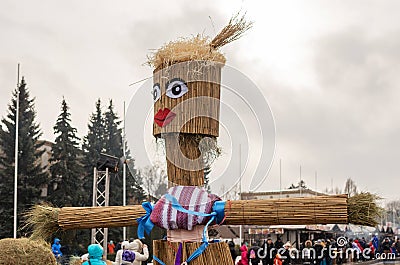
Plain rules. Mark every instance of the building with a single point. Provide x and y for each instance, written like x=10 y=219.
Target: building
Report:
x=276 y=194
x=45 y=161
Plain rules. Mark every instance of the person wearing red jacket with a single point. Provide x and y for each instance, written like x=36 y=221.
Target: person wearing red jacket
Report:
x=278 y=260
x=359 y=245
x=244 y=260
x=372 y=250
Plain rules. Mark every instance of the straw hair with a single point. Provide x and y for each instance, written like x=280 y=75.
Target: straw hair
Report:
x=236 y=27
x=43 y=220
x=25 y=251
x=199 y=48
x=196 y=48
x=363 y=209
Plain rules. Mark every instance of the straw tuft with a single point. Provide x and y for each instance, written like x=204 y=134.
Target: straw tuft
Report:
x=235 y=29
x=363 y=209
x=43 y=220
x=25 y=251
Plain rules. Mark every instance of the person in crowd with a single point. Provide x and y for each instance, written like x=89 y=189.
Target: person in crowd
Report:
x=278 y=259
x=268 y=255
x=84 y=257
x=359 y=245
x=375 y=242
x=385 y=246
x=232 y=250
x=118 y=246
x=308 y=253
x=393 y=249
x=339 y=250
x=285 y=254
x=372 y=251
x=398 y=246
x=95 y=255
x=327 y=251
x=278 y=243
x=363 y=243
x=359 y=248
x=56 y=248
x=243 y=250
x=138 y=247
x=118 y=256
x=111 y=247
x=318 y=247
x=253 y=255
x=356 y=250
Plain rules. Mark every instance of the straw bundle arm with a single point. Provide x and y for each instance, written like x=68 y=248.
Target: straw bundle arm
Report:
x=337 y=209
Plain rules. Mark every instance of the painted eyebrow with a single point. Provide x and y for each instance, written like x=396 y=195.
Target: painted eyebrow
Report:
x=173 y=80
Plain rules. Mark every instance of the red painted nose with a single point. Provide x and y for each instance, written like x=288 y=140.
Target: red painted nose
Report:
x=164 y=117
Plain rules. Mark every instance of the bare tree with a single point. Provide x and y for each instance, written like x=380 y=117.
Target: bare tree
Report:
x=154 y=181
x=393 y=211
x=338 y=190
x=350 y=187
x=230 y=194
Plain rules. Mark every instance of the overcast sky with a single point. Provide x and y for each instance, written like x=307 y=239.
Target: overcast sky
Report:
x=329 y=69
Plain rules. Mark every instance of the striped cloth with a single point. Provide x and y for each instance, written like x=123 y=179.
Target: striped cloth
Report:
x=191 y=198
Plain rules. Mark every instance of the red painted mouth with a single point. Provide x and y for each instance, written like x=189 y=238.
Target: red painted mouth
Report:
x=164 y=117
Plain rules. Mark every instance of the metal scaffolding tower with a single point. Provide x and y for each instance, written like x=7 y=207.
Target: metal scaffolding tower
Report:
x=101 y=195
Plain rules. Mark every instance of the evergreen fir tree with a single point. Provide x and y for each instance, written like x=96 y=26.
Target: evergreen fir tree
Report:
x=112 y=132
x=113 y=142
x=32 y=178
x=113 y=146
x=66 y=169
x=93 y=145
x=134 y=182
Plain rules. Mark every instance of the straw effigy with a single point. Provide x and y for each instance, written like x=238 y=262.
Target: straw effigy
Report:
x=361 y=209
x=24 y=251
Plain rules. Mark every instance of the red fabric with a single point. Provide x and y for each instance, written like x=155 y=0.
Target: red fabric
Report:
x=277 y=261
x=110 y=248
x=244 y=260
x=372 y=248
x=358 y=245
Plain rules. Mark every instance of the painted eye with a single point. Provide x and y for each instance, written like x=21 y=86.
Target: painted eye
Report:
x=156 y=92
x=176 y=88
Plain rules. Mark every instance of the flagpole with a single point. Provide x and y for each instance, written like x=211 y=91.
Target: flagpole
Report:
x=124 y=176
x=240 y=190
x=16 y=158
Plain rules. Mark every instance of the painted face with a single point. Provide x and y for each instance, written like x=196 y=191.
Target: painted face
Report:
x=186 y=98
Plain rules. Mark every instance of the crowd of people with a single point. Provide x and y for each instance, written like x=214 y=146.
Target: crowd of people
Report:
x=132 y=252
x=317 y=252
